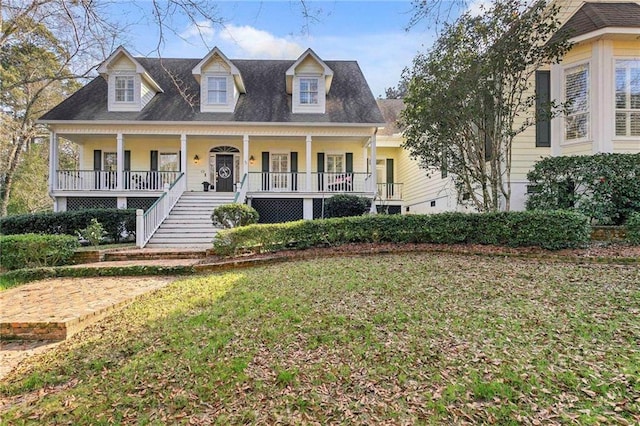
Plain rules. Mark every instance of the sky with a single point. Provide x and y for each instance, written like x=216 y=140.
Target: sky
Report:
x=373 y=33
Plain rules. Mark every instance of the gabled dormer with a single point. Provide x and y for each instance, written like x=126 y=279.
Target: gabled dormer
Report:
x=130 y=86
x=220 y=82
x=308 y=82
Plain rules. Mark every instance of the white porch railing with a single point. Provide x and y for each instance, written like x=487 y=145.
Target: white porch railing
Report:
x=148 y=222
x=320 y=182
x=105 y=180
x=390 y=191
x=241 y=191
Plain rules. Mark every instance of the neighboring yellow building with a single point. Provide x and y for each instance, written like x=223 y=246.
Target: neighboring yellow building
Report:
x=601 y=74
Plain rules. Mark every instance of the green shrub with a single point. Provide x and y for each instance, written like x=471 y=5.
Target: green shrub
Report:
x=551 y=230
x=93 y=233
x=603 y=187
x=233 y=215
x=116 y=222
x=33 y=250
x=633 y=228
x=344 y=205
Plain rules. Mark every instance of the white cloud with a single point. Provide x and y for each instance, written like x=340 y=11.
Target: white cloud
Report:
x=381 y=56
x=260 y=44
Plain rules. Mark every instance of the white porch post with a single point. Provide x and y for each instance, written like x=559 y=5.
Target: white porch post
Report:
x=308 y=164
x=183 y=154
x=374 y=177
x=53 y=161
x=120 y=161
x=365 y=159
x=245 y=155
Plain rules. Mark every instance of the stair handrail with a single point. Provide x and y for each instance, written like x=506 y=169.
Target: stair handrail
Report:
x=147 y=223
x=241 y=193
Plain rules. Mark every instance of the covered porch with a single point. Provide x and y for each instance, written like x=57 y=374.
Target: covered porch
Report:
x=261 y=163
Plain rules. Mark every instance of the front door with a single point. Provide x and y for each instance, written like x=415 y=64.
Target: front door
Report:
x=224 y=173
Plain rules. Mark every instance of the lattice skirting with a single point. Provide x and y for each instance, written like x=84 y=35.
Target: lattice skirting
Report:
x=81 y=203
x=278 y=210
x=140 y=202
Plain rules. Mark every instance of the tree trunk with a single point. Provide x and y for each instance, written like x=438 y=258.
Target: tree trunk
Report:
x=7 y=183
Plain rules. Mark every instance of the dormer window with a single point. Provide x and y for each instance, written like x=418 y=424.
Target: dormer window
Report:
x=217 y=90
x=125 y=88
x=130 y=87
x=308 y=82
x=309 y=91
x=220 y=82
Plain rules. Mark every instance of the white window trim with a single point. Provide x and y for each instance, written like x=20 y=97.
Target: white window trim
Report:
x=232 y=93
x=114 y=105
x=216 y=90
x=297 y=106
x=171 y=151
x=590 y=71
x=126 y=89
x=335 y=154
x=625 y=137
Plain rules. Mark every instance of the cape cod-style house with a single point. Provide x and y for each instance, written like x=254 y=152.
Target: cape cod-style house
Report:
x=281 y=135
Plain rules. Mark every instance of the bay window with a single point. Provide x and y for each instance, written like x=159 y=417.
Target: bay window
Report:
x=576 y=91
x=627 y=98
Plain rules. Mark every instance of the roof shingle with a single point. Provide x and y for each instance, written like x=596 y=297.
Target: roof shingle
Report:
x=349 y=101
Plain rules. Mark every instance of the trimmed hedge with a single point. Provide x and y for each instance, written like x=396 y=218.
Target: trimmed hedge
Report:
x=604 y=187
x=33 y=250
x=552 y=230
x=345 y=205
x=22 y=276
x=233 y=215
x=115 y=222
x=633 y=229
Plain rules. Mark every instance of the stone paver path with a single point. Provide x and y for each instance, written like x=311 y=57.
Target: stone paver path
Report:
x=54 y=309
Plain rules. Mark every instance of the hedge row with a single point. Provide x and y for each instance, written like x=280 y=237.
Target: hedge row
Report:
x=633 y=228
x=116 y=222
x=33 y=250
x=552 y=230
x=21 y=276
x=604 y=187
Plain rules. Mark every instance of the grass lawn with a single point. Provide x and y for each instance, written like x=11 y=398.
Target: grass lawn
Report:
x=395 y=339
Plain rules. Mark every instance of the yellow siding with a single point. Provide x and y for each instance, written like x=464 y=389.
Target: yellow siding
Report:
x=626 y=48
x=627 y=147
x=309 y=65
x=584 y=148
x=123 y=64
x=581 y=52
x=216 y=64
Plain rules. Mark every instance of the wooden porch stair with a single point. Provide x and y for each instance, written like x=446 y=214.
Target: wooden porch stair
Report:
x=189 y=223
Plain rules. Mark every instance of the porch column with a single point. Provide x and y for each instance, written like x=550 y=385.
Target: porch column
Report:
x=183 y=154
x=365 y=159
x=374 y=177
x=120 y=162
x=53 y=161
x=245 y=156
x=308 y=164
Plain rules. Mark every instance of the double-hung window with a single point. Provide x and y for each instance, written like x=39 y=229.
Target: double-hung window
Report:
x=308 y=91
x=124 y=88
x=217 y=90
x=280 y=171
x=576 y=92
x=628 y=97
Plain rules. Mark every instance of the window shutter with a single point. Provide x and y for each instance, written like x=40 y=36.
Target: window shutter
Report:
x=320 y=162
x=349 y=162
x=127 y=160
x=97 y=159
x=179 y=161
x=320 y=167
x=543 y=102
x=390 y=170
x=294 y=171
x=154 y=161
x=265 y=171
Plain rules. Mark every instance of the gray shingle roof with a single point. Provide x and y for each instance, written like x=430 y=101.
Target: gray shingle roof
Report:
x=391 y=109
x=349 y=100
x=595 y=16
